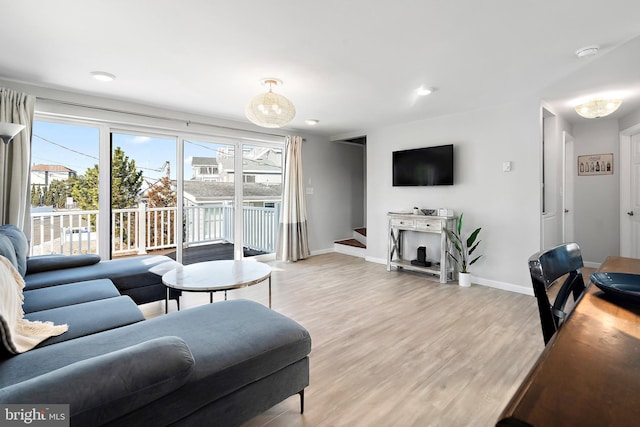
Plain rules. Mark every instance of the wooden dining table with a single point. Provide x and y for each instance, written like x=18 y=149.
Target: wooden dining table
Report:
x=589 y=372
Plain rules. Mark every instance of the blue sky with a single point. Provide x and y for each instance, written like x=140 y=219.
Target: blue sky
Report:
x=77 y=147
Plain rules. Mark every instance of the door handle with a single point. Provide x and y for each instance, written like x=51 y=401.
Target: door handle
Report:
x=566 y=211
x=630 y=213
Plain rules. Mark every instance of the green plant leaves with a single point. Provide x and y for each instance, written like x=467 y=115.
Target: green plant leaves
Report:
x=463 y=249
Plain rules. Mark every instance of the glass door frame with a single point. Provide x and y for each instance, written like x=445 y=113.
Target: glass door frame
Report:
x=108 y=122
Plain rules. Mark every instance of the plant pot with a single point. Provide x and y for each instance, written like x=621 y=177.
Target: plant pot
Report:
x=464 y=279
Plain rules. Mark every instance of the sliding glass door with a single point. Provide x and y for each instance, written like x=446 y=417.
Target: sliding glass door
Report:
x=209 y=200
x=143 y=194
x=261 y=195
x=64 y=188
x=137 y=190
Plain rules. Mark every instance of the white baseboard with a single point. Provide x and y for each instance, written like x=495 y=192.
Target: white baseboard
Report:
x=376 y=260
x=526 y=290
x=591 y=264
x=322 y=251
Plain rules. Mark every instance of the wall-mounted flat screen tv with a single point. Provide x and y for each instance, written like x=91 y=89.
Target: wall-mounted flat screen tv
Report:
x=423 y=166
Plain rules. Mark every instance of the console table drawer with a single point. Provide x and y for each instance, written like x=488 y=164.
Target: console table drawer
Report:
x=428 y=225
x=404 y=223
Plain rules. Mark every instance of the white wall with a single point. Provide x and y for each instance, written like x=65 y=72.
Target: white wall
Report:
x=505 y=204
x=597 y=198
x=334 y=171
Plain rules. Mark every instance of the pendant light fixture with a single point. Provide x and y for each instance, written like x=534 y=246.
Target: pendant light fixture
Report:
x=269 y=109
x=598 y=107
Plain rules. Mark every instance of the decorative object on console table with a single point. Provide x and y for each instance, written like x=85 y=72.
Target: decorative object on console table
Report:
x=430 y=212
x=416 y=211
x=463 y=251
x=421 y=258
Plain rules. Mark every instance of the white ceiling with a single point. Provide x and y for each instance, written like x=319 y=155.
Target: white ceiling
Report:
x=353 y=65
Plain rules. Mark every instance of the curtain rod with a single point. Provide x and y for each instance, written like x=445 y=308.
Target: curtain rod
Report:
x=154 y=116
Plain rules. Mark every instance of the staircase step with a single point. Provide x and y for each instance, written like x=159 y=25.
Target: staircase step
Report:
x=352 y=242
x=360 y=234
x=350 y=247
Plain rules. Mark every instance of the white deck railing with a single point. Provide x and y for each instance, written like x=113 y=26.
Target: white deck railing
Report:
x=141 y=229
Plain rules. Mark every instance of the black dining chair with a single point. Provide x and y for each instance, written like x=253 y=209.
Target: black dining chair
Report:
x=547 y=268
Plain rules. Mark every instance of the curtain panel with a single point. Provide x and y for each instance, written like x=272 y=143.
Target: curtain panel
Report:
x=293 y=241
x=15 y=203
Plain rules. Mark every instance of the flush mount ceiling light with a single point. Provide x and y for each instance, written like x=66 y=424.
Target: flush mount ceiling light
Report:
x=102 y=76
x=598 y=107
x=424 y=91
x=270 y=110
x=587 y=51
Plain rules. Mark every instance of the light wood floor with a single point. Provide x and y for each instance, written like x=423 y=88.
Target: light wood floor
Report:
x=398 y=348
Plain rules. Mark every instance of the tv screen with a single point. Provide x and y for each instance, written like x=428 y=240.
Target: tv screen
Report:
x=423 y=166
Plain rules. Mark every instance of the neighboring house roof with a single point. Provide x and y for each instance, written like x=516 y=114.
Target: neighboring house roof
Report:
x=251 y=165
x=203 y=161
x=51 y=168
x=207 y=191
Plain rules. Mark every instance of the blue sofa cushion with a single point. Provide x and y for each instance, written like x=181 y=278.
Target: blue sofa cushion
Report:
x=72 y=293
x=89 y=317
x=105 y=387
x=40 y=263
x=19 y=245
x=234 y=343
x=125 y=273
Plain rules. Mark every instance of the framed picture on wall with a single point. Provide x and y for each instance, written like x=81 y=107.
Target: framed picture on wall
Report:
x=595 y=164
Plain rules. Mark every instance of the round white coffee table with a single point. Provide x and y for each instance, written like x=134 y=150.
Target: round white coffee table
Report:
x=216 y=276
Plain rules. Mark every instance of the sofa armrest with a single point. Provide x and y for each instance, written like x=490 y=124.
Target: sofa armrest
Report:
x=41 y=263
x=105 y=387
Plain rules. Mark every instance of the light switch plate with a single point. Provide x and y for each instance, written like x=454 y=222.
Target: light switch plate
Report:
x=506 y=166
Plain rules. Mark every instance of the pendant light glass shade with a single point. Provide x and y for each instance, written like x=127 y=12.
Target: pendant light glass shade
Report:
x=597 y=108
x=9 y=130
x=270 y=110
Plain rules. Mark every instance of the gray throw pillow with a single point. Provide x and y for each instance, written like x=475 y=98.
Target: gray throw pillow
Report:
x=20 y=246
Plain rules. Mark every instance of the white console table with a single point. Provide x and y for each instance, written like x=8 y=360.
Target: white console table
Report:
x=400 y=223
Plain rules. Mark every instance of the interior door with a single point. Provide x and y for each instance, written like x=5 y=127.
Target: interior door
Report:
x=633 y=211
x=569 y=173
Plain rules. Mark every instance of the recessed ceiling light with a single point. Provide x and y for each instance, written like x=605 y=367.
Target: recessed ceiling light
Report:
x=424 y=91
x=587 y=51
x=312 y=122
x=102 y=76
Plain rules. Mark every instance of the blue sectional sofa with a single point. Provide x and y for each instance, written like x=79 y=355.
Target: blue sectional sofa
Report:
x=216 y=364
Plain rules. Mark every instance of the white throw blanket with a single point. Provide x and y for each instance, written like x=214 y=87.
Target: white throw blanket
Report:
x=19 y=334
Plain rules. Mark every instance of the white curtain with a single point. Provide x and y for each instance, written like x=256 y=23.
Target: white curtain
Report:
x=15 y=201
x=293 y=241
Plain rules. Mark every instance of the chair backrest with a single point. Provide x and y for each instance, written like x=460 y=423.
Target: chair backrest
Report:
x=546 y=268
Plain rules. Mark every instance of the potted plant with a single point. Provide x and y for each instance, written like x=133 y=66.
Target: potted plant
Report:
x=462 y=251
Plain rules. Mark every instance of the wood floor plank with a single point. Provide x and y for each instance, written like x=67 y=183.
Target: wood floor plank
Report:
x=398 y=348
